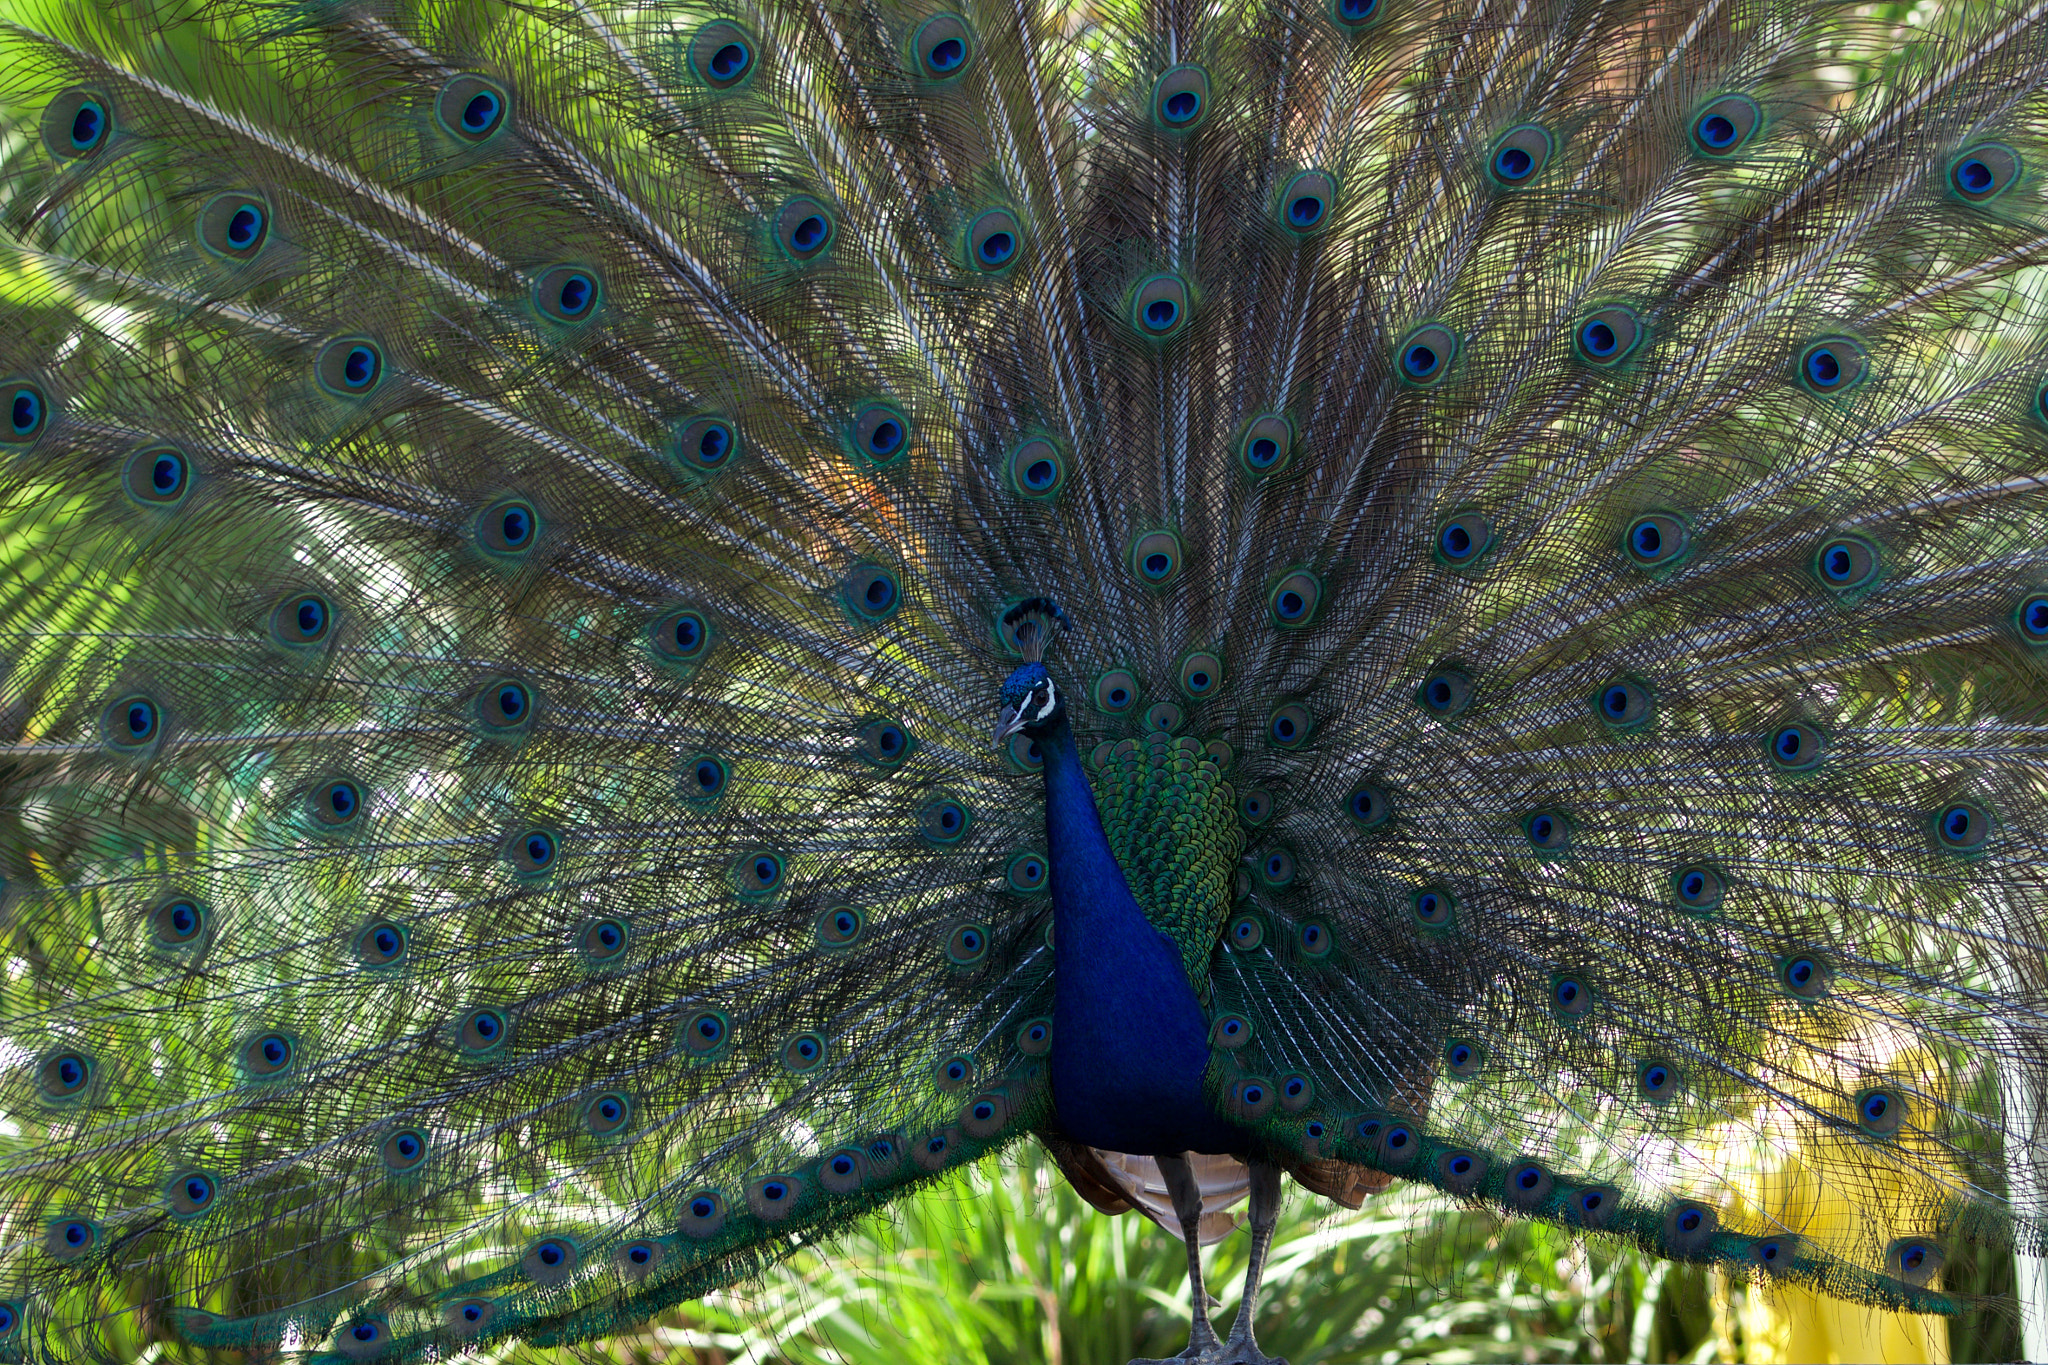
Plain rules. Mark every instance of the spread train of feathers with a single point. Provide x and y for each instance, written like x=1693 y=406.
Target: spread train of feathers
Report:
x=511 y=517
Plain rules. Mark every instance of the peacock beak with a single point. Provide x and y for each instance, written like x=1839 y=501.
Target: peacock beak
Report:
x=1009 y=720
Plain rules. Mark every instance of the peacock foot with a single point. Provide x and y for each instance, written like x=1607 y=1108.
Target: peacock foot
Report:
x=1232 y=1352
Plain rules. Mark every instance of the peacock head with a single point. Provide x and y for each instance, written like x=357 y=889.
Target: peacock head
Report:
x=1029 y=701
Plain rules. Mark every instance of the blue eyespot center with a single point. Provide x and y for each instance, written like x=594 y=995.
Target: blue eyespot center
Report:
x=481 y=112
x=1717 y=131
x=729 y=61
x=947 y=54
x=1420 y=361
x=1181 y=106
x=1513 y=163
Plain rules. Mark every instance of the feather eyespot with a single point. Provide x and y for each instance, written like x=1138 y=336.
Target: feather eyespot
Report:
x=1027 y=873
x=1034 y=1039
x=879 y=434
x=132 y=725
x=1805 y=976
x=1462 y=1059
x=1036 y=468
x=1294 y=600
x=1916 y=1260
x=1460 y=1172
x=722 y=55
x=1180 y=97
x=568 y=294
x=1464 y=539
x=1963 y=827
x=1796 y=748
x=301 y=621
x=1656 y=540
x=1528 y=1186
x=551 y=1261
x=680 y=637
x=1424 y=356
x=1608 y=337
x=532 y=853
x=603 y=942
x=336 y=804
x=234 y=227
x=156 y=476
x=884 y=743
x=268 y=1055
x=944 y=45
x=349 y=367
x=703 y=1215
x=1445 y=694
x=995 y=239
x=1984 y=172
x=1246 y=933
x=482 y=1032
x=757 y=875
x=1254 y=806
x=76 y=124
x=1844 y=564
x=1726 y=126
x=804 y=228
x=178 y=922
x=704 y=444
x=967 y=945
x=1354 y=15
x=839 y=927
x=1306 y=201
x=382 y=944
x=1201 y=673
x=1116 y=690
x=1832 y=366
x=1571 y=997
x=65 y=1076
x=1657 y=1082
x=703 y=778
x=28 y=412
x=1276 y=868
x=1155 y=557
x=1625 y=704
x=608 y=1114
x=1230 y=1031
x=871 y=593
x=2030 y=618
x=640 y=1257
x=955 y=1073
x=1160 y=307
x=1288 y=726
x=1297 y=1092
x=1368 y=806
x=1698 y=890
x=1432 y=907
x=985 y=1115
x=1267 y=443
x=508 y=529
x=469 y=1318
x=1881 y=1112
x=1689 y=1229
x=944 y=821
x=10 y=1319
x=1548 y=831
x=1519 y=156
x=505 y=706
x=472 y=108
x=70 y=1239
x=405 y=1151
x=804 y=1052
x=1315 y=938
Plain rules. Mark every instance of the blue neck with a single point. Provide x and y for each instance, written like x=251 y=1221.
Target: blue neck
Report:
x=1130 y=1040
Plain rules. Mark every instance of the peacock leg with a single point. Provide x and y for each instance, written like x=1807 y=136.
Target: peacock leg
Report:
x=1203 y=1347
x=1241 y=1349
x=1187 y=1202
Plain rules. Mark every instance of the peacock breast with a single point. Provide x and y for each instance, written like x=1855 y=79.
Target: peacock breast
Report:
x=1172 y=825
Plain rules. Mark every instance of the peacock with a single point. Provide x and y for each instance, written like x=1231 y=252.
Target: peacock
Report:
x=630 y=630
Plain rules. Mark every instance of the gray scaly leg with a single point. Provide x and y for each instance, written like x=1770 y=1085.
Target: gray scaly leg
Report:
x=1203 y=1347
